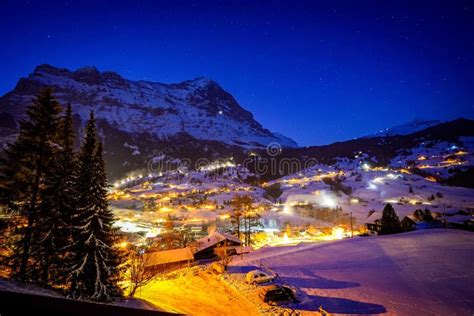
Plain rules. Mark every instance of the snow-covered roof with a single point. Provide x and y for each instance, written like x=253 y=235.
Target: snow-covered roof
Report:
x=212 y=239
x=452 y=212
x=168 y=256
x=373 y=217
x=242 y=250
x=459 y=219
x=413 y=219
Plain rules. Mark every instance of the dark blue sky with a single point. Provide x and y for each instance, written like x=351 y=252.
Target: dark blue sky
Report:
x=315 y=71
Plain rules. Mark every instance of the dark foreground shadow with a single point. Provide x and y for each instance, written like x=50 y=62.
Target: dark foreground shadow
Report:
x=242 y=269
x=13 y=303
x=340 y=305
x=317 y=282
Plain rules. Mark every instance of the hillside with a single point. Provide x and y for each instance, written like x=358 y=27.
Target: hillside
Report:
x=183 y=122
x=380 y=151
x=140 y=119
x=419 y=273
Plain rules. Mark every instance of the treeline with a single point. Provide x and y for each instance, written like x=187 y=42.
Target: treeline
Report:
x=245 y=220
x=60 y=234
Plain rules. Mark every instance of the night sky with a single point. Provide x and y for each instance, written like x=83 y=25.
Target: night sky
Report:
x=315 y=71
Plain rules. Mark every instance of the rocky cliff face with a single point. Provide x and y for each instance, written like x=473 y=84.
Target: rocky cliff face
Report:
x=139 y=118
x=199 y=107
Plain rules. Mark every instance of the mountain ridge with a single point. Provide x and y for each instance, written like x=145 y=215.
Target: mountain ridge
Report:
x=199 y=107
x=194 y=119
x=406 y=128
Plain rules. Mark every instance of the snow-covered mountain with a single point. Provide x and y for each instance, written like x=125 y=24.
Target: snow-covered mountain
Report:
x=198 y=107
x=405 y=129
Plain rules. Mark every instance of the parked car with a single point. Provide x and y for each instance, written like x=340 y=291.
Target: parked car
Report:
x=277 y=294
x=258 y=276
x=217 y=267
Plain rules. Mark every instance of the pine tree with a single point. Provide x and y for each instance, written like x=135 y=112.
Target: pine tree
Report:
x=390 y=221
x=95 y=263
x=243 y=218
x=57 y=207
x=23 y=172
x=236 y=215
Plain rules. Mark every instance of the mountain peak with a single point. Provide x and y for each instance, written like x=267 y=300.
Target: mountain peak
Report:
x=46 y=68
x=201 y=82
x=87 y=70
x=409 y=127
x=199 y=107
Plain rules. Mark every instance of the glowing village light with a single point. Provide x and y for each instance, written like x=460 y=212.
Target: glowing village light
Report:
x=152 y=233
x=321 y=198
x=224 y=216
x=122 y=245
x=365 y=166
x=378 y=180
x=337 y=233
x=328 y=201
x=372 y=186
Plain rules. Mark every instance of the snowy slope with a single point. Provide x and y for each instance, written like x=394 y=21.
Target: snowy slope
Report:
x=405 y=129
x=419 y=273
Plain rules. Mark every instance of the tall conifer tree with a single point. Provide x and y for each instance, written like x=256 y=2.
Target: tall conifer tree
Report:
x=95 y=262
x=23 y=172
x=57 y=207
x=390 y=221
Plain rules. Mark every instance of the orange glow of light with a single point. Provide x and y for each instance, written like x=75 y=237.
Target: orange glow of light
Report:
x=224 y=216
x=425 y=167
x=122 y=245
x=451 y=161
x=165 y=209
x=338 y=232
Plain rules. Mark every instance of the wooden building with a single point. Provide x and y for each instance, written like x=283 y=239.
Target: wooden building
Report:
x=168 y=260
x=373 y=223
x=204 y=248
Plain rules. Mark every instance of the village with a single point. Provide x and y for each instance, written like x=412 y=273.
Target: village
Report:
x=185 y=222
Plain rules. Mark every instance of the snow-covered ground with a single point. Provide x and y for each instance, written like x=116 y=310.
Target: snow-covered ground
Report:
x=375 y=188
x=198 y=198
x=203 y=195
x=427 y=272
x=200 y=294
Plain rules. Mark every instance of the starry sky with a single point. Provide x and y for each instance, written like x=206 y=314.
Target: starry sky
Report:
x=316 y=71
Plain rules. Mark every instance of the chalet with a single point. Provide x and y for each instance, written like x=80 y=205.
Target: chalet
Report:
x=449 y=212
x=412 y=222
x=168 y=260
x=460 y=222
x=409 y=223
x=373 y=223
x=204 y=248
